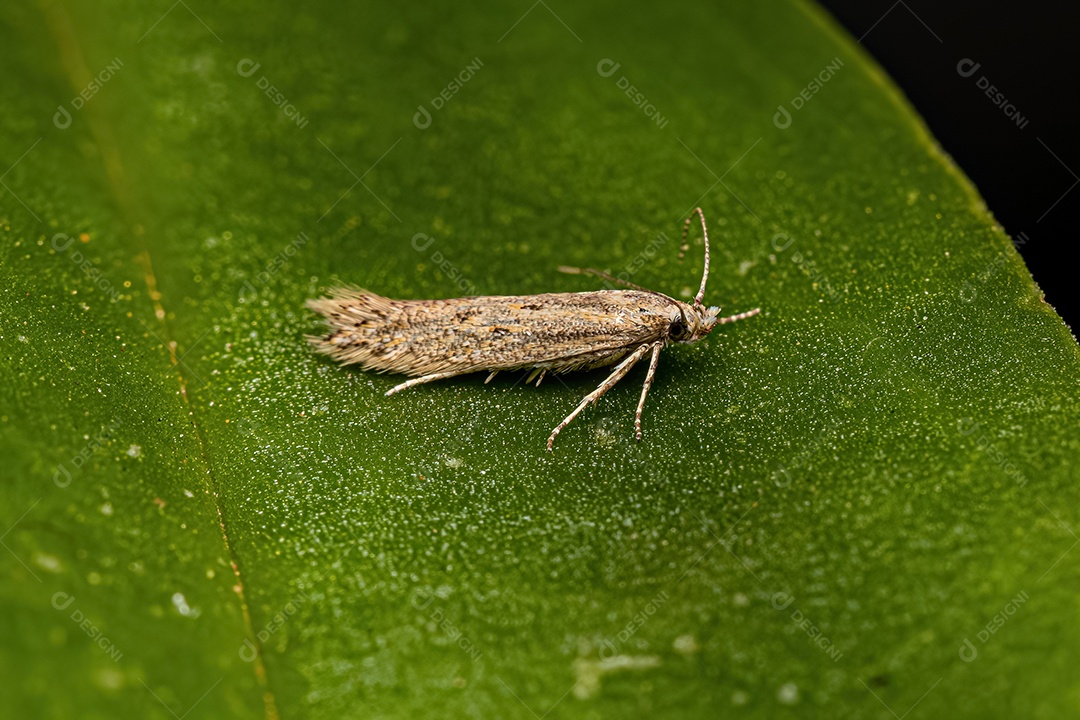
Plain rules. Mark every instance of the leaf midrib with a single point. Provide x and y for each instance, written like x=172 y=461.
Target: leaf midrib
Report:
x=78 y=76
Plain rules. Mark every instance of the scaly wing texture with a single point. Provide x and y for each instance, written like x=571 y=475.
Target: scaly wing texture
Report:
x=557 y=331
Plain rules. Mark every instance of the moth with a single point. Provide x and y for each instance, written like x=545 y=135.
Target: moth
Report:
x=552 y=332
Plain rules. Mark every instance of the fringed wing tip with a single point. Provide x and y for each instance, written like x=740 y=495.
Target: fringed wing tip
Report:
x=345 y=311
x=327 y=307
x=316 y=304
x=320 y=343
x=349 y=292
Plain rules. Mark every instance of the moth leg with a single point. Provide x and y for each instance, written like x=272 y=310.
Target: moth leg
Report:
x=600 y=274
x=740 y=316
x=420 y=381
x=493 y=374
x=645 y=388
x=616 y=375
x=538 y=373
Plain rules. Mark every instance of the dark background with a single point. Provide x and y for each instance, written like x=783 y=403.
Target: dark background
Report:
x=1027 y=50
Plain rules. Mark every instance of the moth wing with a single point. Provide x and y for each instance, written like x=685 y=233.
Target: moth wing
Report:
x=560 y=331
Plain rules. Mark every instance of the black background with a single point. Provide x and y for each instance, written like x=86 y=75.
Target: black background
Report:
x=1028 y=52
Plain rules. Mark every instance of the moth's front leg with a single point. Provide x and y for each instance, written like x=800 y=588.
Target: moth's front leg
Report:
x=656 y=348
x=616 y=375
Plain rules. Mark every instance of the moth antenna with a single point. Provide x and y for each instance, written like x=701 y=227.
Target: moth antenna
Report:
x=602 y=275
x=699 y=299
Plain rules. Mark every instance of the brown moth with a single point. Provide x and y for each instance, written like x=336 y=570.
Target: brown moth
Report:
x=556 y=332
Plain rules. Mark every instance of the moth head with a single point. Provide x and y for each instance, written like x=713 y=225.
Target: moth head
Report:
x=690 y=323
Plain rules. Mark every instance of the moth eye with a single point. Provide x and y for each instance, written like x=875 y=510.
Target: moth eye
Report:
x=678 y=330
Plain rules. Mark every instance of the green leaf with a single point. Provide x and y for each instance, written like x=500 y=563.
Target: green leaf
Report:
x=862 y=502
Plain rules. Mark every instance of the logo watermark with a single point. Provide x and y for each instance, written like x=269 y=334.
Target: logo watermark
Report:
x=62 y=118
x=782 y=117
x=421 y=600
x=61 y=243
x=967 y=68
x=62 y=476
x=62 y=601
x=422 y=118
x=782 y=601
x=608 y=67
x=782 y=241
x=969 y=427
x=968 y=650
x=609 y=648
x=247 y=67
x=421 y=242
x=782 y=474
x=639 y=260
x=249 y=651
x=968 y=291
x=273 y=266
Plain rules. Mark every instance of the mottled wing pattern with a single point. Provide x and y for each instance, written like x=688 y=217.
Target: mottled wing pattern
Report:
x=556 y=331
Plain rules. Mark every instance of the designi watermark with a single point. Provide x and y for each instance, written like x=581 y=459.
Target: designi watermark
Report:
x=422 y=118
x=248 y=67
x=639 y=261
x=969 y=290
x=421 y=242
x=62 y=601
x=968 y=650
x=782 y=474
x=782 y=601
x=967 y=68
x=781 y=241
x=782 y=118
x=61 y=243
x=272 y=268
x=62 y=118
x=609 y=648
x=421 y=600
x=972 y=428
x=62 y=477
x=608 y=67
x=249 y=651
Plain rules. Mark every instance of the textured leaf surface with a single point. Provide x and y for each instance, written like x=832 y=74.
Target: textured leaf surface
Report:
x=862 y=502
